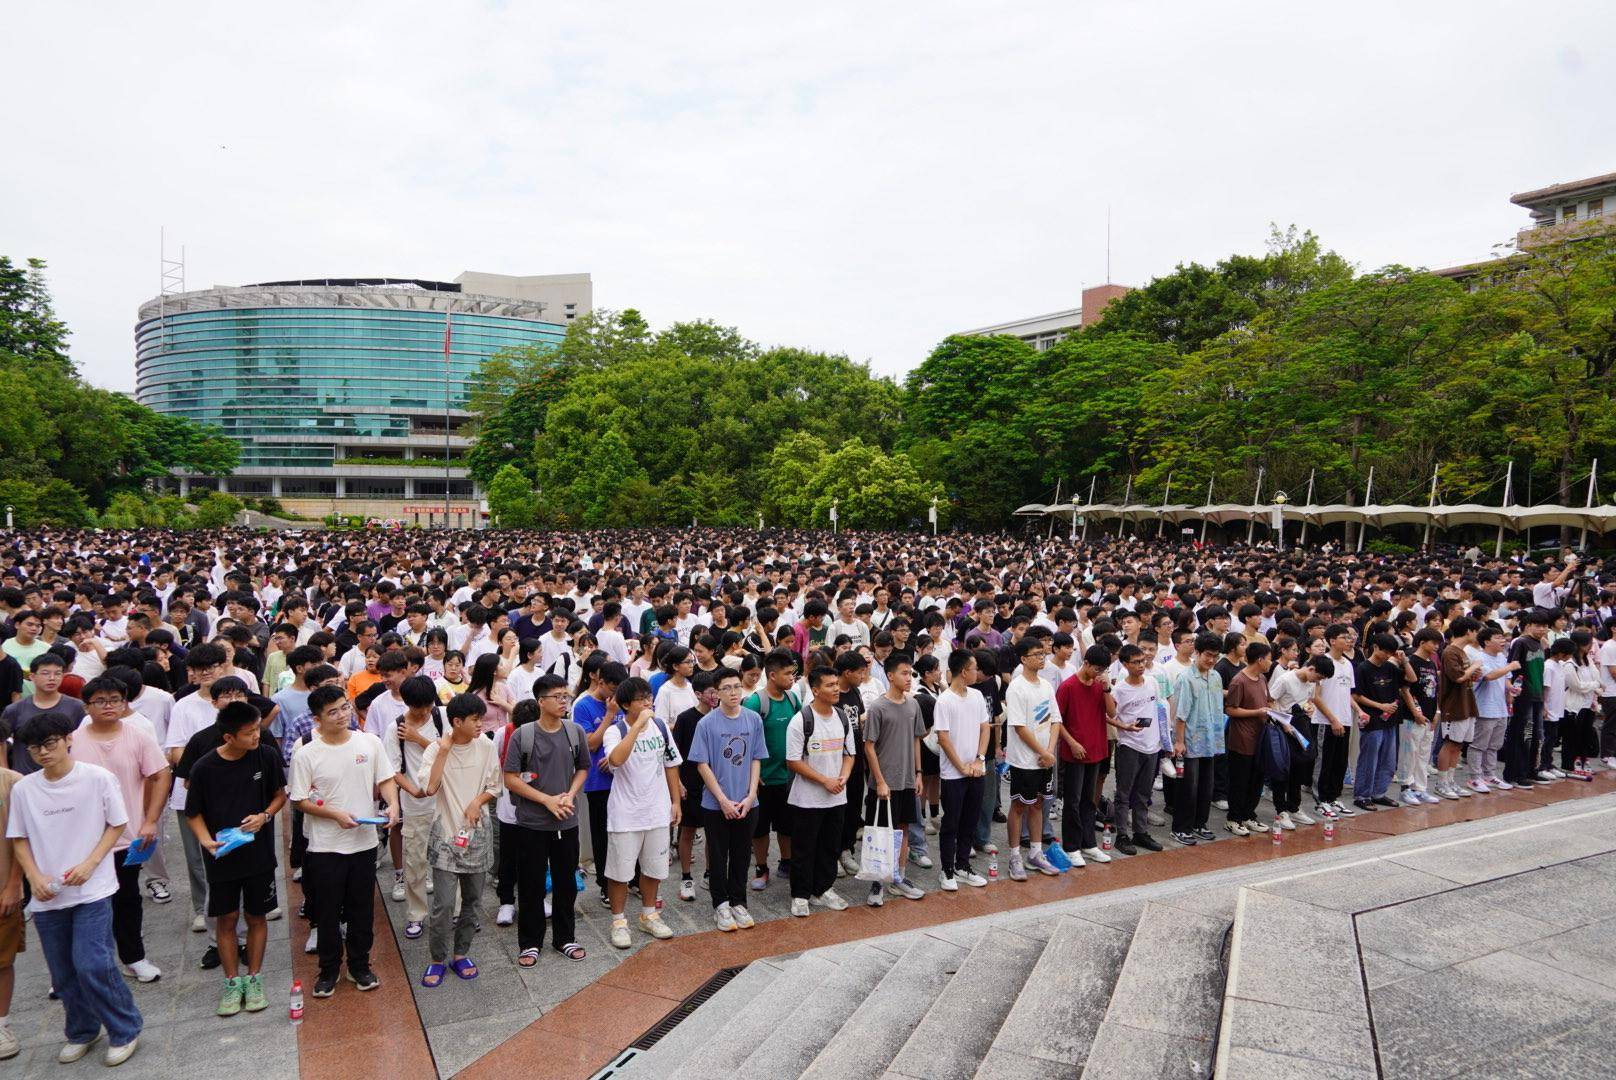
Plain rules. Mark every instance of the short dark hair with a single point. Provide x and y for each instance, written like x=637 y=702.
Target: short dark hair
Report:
x=46 y=659
x=104 y=684
x=323 y=696
x=463 y=705
x=418 y=692
x=230 y=684
x=40 y=728
x=237 y=715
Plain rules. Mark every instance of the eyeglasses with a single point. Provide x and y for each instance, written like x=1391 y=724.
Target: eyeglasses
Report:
x=104 y=702
x=49 y=744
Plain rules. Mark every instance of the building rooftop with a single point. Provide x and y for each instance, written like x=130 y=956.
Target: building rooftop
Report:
x=1558 y=192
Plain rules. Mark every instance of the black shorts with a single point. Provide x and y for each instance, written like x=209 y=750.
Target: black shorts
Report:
x=254 y=895
x=1029 y=786
x=928 y=762
x=774 y=813
x=690 y=809
x=903 y=807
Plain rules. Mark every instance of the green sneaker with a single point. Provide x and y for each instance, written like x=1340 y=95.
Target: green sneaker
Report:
x=253 y=993
x=230 y=1003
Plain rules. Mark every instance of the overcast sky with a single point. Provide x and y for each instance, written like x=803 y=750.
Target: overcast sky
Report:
x=859 y=178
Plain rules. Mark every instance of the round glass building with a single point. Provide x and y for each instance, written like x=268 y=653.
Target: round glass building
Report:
x=339 y=388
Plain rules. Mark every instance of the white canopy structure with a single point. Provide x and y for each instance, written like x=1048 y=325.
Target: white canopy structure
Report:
x=1596 y=519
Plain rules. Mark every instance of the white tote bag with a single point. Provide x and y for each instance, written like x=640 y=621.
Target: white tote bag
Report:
x=879 y=859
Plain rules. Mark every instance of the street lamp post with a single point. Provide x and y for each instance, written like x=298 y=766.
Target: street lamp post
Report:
x=834 y=503
x=1280 y=499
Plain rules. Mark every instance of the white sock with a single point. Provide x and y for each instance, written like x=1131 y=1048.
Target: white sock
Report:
x=647 y=912
x=5 y=1022
x=1037 y=848
x=724 y=906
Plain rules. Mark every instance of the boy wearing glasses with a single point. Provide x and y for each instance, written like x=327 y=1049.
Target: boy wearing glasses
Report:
x=130 y=753
x=64 y=821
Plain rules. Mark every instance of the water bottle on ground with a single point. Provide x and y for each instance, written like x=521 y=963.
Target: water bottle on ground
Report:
x=294 y=1009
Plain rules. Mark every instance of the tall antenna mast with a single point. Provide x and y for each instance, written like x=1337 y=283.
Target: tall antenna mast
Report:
x=170 y=279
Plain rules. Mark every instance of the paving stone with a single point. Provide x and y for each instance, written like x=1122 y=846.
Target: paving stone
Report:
x=1124 y=1053
x=1588 y=951
x=746 y=1027
x=1358 y=888
x=673 y=1048
x=1270 y=933
x=1340 y=1039
x=457 y=1044
x=1514 y=852
x=1463 y=1020
x=1172 y=978
x=1245 y=1061
x=1445 y=929
x=1562 y=896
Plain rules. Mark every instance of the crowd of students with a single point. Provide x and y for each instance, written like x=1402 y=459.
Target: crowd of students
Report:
x=454 y=705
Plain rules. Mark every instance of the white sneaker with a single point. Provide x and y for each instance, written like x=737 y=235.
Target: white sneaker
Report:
x=990 y=848
x=1220 y=804
x=1302 y=819
x=10 y=1047
x=275 y=914
x=830 y=899
x=1411 y=798
x=1155 y=818
x=1254 y=826
x=1559 y=774
x=1427 y=799
x=1343 y=810
x=652 y=924
x=117 y=1055
x=1478 y=786
x=949 y=884
x=799 y=907
x=1500 y=784
x=429 y=886
x=1156 y=785
x=973 y=879
x=199 y=925
x=143 y=970
x=1324 y=810
x=1609 y=762
x=1232 y=826
x=1095 y=855
x=506 y=915
x=931 y=826
x=1284 y=822
x=1463 y=791
x=723 y=919
x=1546 y=775
x=71 y=1052
x=620 y=938
x=687 y=889
x=849 y=863
x=908 y=889
x=1168 y=769
x=398 y=890
x=743 y=918
x=313 y=944
x=922 y=861
x=878 y=895
x=1447 y=791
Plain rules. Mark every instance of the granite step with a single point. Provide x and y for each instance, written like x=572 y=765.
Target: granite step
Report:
x=1162 y=1019
x=799 y=1038
x=956 y=1032
x=1055 y=1017
x=744 y=1028
x=880 y=1024
x=674 y=1047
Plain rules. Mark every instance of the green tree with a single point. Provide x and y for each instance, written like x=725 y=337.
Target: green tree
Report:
x=511 y=500
x=216 y=510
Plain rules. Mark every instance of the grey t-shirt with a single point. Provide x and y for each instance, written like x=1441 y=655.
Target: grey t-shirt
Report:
x=24 y=709
x=549 y=766
x=893 y=726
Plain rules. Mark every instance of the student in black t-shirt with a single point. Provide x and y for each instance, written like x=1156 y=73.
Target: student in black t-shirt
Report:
x=853 y=669
x=1379 y=692
x=240 y=785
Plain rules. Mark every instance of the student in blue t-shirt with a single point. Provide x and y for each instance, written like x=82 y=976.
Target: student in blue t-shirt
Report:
x=728 y=751
x=589 y=712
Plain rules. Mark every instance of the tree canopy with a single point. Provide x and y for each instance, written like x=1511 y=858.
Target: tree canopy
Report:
x=58 y=434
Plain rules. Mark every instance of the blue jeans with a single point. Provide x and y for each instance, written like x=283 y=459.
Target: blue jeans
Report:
x=84 y=969
x=1377 y=760
x=916 y=832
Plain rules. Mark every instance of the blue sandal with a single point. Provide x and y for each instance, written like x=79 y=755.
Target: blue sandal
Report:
x=464 y=967
x=433 y=977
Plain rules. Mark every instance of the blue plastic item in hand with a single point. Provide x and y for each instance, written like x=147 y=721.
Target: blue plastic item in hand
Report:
x=139 y=852
x=231 y=839
x=371 y=820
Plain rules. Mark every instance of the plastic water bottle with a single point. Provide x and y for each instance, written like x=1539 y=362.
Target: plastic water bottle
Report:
x=1329 y=828
x=1105 y=840
x=1277 y=833
x=993 y=868
x=294 y=1009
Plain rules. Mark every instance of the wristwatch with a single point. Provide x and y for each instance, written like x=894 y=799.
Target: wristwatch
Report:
x=979 y=757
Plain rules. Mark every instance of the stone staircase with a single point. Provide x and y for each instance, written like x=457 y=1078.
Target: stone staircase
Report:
x=1259 y=971
x=1117 y=991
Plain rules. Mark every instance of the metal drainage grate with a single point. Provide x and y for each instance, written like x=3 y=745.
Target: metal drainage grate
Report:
x=682 y=1011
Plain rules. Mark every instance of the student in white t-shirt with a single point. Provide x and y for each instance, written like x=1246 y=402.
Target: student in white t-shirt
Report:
x=336 y=779
x=1138 y=744
x=960 y=719
x=1029 y=708
x=643 y=805
x=63 y=824
x=821 y=760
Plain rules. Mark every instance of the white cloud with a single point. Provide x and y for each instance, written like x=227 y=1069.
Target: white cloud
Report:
x=854 y=177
